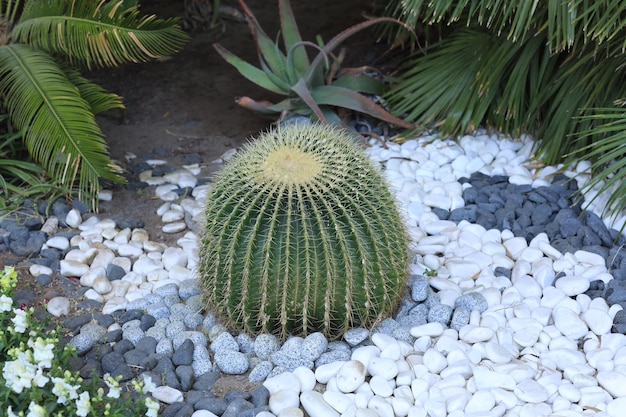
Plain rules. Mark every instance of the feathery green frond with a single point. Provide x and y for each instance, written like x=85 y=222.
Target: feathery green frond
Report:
x=58 y=127
x=97 y=34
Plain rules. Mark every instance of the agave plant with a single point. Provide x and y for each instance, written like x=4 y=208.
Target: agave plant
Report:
x=312 y=87
x=302 y=235
x=42 y=43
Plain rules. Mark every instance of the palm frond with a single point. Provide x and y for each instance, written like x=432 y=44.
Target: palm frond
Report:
x=605 y=145
x=58 y=128
x=100 y=34
x=98 y=98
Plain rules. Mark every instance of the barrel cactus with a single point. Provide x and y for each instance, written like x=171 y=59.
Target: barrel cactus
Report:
x=302 y=235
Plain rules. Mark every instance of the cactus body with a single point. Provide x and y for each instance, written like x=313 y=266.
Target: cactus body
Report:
x=302 y=235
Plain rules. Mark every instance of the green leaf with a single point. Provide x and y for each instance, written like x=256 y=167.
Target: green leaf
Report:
x=354 y=79
x=292 y=39
x=349 y=99
x=249 y=71
x=302 y=90
x=98 y=98
x=58 y=127
x=268 y=49
x=101 y=34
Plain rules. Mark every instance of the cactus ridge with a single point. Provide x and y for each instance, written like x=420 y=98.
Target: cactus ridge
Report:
x=302 y=235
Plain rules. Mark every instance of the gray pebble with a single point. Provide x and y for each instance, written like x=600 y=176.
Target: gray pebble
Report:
x=87 y=338
x=420 y=287
x=196 y=304
x=134 y=334
x=231 y=362
x=224 y=341
x=198 y=338
x=164 y=347
x=403 y=334
x=201 y=367
x=265 y=345
x=175 y=328
x=332 y=356
x=114 y=272
x=183 y=355
x=168 y=289
x=206 y=381
x=387 y=326
x=193 y=320
x=189 y=288
x=260 y=396
x=139 y=304
x=313 y=346
x=158 y=333
x=440 y=313
x=171 y=299
x=200 y=352
x=289 y=362
x=158 y=310
x=356 y=336
x=185 y=375
x=277 y=371
x=245 y=343
x=260 y=372
x=216 y=406
x=472 y=301
x=460 y=318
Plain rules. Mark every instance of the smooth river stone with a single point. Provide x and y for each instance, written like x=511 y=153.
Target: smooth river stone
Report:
x=314 y=404
x=531 y=391
x=613 y=382
x=350 y=376
x=569 y=323
x=572 y=285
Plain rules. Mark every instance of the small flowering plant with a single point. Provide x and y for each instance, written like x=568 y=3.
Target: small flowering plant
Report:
x=34 y=376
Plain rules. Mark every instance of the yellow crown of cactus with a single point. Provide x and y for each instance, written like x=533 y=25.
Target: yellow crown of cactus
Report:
x=302 y=235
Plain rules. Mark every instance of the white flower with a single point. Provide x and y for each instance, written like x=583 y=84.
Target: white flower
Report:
x=83 y=404
x=35 y=410
x=63 y=390
x=114 y=386
x=19 y=374
x=148 y=385
x=42 y=352
x=6 y=303
x=19 y=320
x=152 y=407
x=10 y=412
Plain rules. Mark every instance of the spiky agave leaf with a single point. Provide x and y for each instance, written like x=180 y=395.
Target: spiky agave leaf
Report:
x=302 y=235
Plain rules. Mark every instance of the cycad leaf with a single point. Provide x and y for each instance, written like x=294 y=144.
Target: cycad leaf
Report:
x=57 y=125
x=102 y=34
x=98 y=98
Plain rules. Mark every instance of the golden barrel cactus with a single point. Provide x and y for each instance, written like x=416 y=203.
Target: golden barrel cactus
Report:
x=302 y=235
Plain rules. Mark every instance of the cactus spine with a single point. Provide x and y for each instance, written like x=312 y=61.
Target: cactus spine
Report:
x=302 y=235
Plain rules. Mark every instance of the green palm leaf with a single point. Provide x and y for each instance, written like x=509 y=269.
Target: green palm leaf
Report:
x=92 y=33
x=58 y=127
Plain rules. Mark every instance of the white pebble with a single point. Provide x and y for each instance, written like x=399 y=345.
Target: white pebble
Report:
x=338 y=400
x=315 y=406
x=531 y=391
x=286 y=398
x=167 y=394
x=58 y=306
x=350 y=376
x=572 y=285
x=569 y=323
x=613 y=382
x=599 y=322
x=174 y=227
x=281 y=382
